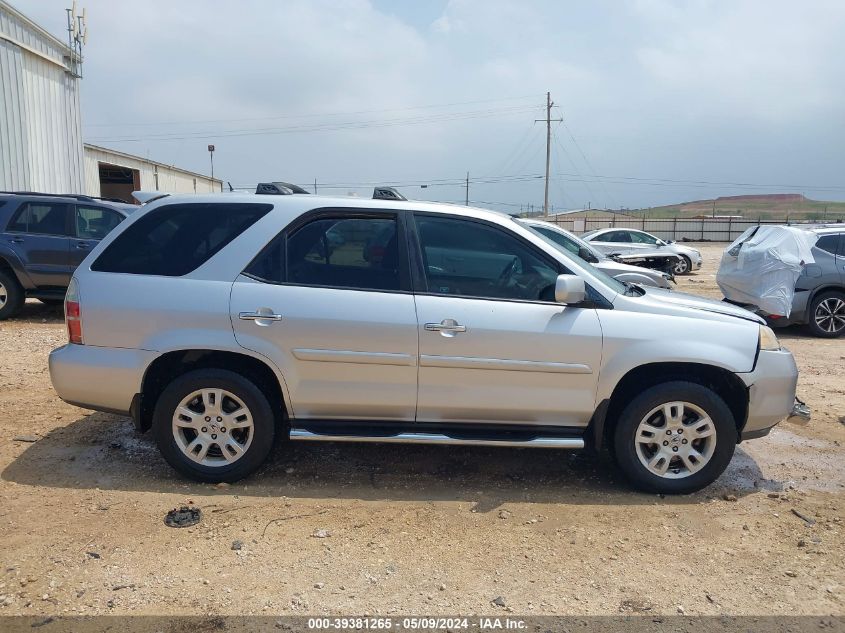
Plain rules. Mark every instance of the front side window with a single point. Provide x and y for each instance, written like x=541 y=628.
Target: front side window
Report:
x=560 y=239
x=94 y=223
x=471 y=259
x=176 y=239
x=40 y=218
x=343 y=252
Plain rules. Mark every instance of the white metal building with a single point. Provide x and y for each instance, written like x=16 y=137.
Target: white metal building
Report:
x=41 y=147
x=113 y=174
x=40 y=123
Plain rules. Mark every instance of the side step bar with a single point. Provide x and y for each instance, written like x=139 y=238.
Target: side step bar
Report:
x=437 y=438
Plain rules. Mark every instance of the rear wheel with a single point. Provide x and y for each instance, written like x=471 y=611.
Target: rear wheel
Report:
x=827 y=315
x=676 y=438
x=12 y=296
x=214 y=425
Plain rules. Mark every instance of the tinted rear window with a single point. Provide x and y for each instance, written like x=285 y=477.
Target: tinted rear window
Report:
x=830 y=243
x=176 y=239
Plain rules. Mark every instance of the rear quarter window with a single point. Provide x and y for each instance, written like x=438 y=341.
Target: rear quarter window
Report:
x=176 y=239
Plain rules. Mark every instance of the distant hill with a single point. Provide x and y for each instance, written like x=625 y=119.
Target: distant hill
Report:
x=773 y=205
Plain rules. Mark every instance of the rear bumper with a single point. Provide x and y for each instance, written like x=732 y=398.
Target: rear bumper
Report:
x=771 y=392
x=100 y=378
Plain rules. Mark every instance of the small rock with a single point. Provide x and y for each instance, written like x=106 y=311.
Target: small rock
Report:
x=321 y=533
x=791 y=573
x=289 y=470
x=442 y=587
x=681 y=609
x=222 y=485
x=504 y=514
x=498 y=601
x=26 y=438
x=802 y=543
x=746 y=528
x=237 y=545
x=728 y=497
x=319 y=585
x=93 y=554
x=773 y=495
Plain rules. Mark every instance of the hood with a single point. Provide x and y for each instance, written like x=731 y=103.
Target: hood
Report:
x=656 y=297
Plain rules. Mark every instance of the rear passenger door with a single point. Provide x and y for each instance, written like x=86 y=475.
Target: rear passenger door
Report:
x=329 y=301
x=91 y=223
x=39 y=234
x=834 y=244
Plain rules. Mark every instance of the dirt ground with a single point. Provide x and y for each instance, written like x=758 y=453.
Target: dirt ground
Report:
x=382 y=530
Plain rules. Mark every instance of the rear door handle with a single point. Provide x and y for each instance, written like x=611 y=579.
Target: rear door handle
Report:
x=16 y=240
x=83 y=245
x=259 y=316
x=447 y=327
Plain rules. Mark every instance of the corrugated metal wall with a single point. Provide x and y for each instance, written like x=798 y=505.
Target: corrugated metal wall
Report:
x=40 y=122
x=170 y=179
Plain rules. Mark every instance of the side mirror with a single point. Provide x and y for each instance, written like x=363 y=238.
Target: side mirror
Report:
x=570 y=289
x=587 y=256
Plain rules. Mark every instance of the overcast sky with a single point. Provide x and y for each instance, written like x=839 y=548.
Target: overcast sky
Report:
x=351 y=92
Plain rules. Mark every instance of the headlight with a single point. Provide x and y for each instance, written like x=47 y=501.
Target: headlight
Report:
x=768 y=340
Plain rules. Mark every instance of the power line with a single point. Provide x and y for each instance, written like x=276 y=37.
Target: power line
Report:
x=327 y=127
x=313 y=114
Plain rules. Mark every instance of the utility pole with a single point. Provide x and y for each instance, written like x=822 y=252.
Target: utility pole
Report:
x=466 y=201
x=548 y=119
x=211 y=156
x=315 y=186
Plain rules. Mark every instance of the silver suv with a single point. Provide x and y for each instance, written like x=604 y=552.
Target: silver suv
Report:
x=220 y=322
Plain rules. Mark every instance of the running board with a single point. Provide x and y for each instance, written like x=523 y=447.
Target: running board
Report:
x=437 y=438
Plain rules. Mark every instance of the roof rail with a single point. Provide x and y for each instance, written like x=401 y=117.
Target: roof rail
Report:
x=75 y=196
x=278 y=188
x=387 y=193
x=148 y=196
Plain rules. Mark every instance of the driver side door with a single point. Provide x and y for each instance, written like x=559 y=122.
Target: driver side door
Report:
x=494 y=346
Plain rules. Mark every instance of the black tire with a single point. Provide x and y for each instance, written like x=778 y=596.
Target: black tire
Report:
x=264 y=425
x=625 y=450
x=820 y=307
x=14 y=295
x=683 y=267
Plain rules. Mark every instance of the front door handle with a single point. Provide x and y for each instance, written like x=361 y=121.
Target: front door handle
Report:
x=16 y=240
x=259 y=316
x=83 y=245
x=447 y=327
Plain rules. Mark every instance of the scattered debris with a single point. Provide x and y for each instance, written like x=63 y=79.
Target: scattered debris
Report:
x=93 y=554
x=237 y=545
x=504 y=514
x=26 y=438
x=806 y=519
x=319 y=585
x=183 y=517
x=729 y=497
x=791 y=574
x=498 y=601
x=321 y=533
x=222 y=486
x=295 y=516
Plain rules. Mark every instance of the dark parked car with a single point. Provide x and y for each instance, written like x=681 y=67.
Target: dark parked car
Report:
x=43 y=238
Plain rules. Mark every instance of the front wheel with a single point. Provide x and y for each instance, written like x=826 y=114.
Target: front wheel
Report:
x=683 y=265
x=827 y=315
x=675 y=438
x=213 y=425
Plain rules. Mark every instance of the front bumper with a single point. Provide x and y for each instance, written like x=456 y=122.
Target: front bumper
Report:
x=771 y=391
x=100 y=378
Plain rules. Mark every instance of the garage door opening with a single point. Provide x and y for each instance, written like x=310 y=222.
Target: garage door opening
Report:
x=118 y=182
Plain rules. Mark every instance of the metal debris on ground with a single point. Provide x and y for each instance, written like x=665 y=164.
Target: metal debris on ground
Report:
x=183 y=517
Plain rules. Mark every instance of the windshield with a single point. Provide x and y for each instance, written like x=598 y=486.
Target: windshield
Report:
x=609 y=281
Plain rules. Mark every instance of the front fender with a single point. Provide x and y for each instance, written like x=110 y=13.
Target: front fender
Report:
x=14 y=262
x=634 y=339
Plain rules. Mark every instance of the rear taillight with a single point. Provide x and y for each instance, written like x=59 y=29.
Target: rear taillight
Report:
x=73 y=314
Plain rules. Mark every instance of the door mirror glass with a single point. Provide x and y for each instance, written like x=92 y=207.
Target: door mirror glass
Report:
x=587 y=255
x=570 y=289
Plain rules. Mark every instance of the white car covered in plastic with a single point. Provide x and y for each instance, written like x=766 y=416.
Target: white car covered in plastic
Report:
x=789 y=275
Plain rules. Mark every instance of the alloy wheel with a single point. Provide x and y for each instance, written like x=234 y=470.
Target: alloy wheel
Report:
x=675 y=440
x=4 y=295
x=830 y=315
x=213 y=427
x=682 y=266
